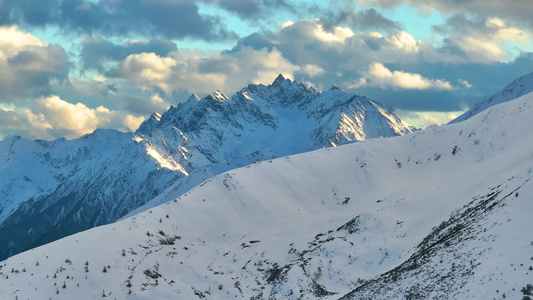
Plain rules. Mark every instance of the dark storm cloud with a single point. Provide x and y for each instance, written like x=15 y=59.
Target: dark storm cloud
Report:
x=96 y=51
x=32 y=12
x=12 y=123
x=369 y=19
x=465 y=25
x=253 y=8
x=255 y=40
x=30 y=71
x=158 y=18
x=515 y=11
x=139 y=105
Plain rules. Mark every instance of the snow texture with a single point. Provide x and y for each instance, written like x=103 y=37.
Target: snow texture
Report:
x=442 y=213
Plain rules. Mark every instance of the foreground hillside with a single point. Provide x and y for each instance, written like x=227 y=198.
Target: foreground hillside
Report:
x=49 y=190
x=442 y=213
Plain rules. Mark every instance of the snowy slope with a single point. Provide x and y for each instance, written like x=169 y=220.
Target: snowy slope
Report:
x=442 y=213
x=520 y=86
x=49 y=190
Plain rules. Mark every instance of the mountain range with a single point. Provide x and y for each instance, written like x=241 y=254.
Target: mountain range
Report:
x=441 y=213
x=51 y=189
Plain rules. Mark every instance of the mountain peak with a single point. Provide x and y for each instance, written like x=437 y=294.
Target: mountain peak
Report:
x=280 y=79
x=156 y=116
x=218 y=96
x=193 y=97
x=336 y=88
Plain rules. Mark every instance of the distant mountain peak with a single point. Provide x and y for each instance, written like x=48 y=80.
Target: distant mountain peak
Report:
x=218 y=96
x=279 y=80
x=193 y=97
x=156 y=116
x=336 y=88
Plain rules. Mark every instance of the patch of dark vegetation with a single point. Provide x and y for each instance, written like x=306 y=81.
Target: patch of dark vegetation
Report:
x=398 y=164
x=274 y=274
x=346 y=200
x=527 y=291
x=169 y=240
x=455 y=150
x=151 y=273
x=319 y=290
x=351 y=226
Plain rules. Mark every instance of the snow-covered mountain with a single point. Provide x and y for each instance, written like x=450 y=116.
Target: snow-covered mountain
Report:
x=443 y=213
x=520 y=86
x=49 y=190
x=52 y=189
x=266 y=121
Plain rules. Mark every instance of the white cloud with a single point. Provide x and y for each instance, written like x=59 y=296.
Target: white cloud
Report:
x=464 y=83
x=337 y=35
x=27 y=64
x=481 y=51
x=148 y=69
x=484 y=40
x=336 y=50
x=431 y=120
x=205 y=72
x=52 y=117
x=423 y=119
x=380 y=76
x=132 y=122
x=12 y=40
x=284 y=25
x=77 y=118
x=405 y=41
x=451 y=117
x=312 y=70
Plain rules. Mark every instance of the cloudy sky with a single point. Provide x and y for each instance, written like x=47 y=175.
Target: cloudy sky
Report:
x=70 y=66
